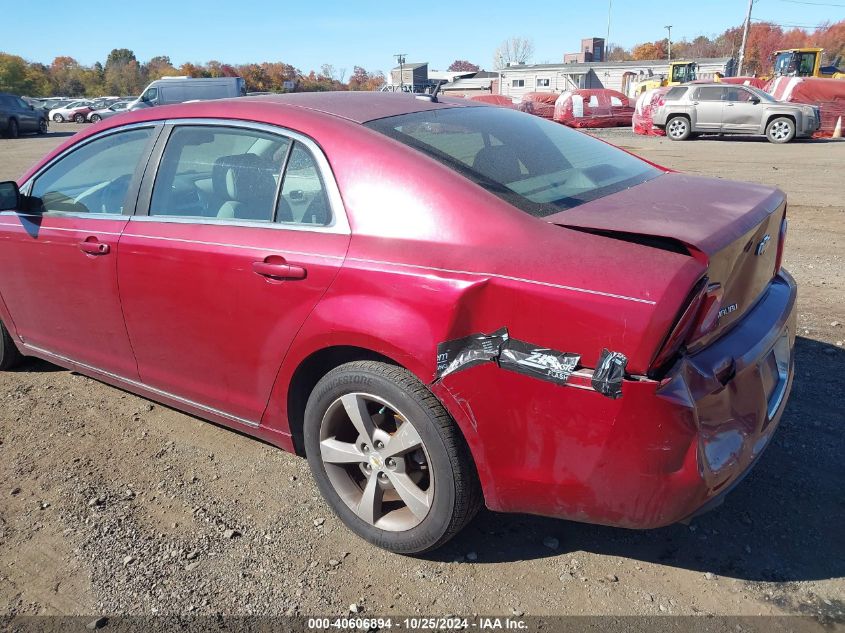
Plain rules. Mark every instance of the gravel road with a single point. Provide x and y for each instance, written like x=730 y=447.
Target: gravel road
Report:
x=111 y=504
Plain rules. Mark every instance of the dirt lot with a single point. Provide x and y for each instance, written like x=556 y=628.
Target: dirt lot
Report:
x=112 y=504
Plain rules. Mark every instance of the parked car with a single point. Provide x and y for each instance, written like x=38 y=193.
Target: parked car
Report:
x=499 y=100
x=105 y=113
x=731 y=109
x=540 y=104
x=80 y=115
x=37 y=104
x=17 y=116
x=171 y=90
x=439 y=303
x=593 y=108
x=65 y=112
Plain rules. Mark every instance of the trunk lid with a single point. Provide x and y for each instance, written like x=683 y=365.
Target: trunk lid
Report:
x=733 y=227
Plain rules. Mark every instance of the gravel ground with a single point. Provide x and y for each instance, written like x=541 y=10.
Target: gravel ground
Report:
x=110 y=504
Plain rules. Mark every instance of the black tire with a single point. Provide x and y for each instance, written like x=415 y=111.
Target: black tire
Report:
x=12 y=129
x=678 y=128
x=457 y=494
x=95 y=118
x=42 y=126
x=58 y=118
x=780 y=130
x=10 y=356
x=79 y=118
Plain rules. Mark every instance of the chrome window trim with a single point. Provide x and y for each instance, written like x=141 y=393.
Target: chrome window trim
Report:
x=340 y=221
x=254 y=224
x=142 y=385
x=67 y=214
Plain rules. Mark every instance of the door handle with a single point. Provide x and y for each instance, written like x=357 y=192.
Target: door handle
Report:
x=93 y=246
x=277 y=268
x=730 y=105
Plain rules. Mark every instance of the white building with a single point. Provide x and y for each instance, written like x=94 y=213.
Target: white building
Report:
x=517 y=79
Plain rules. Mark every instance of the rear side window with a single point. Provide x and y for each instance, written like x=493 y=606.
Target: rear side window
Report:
x=303 y=197
x=709 y=94
x=675 y=93
x=219 y=172
x=239 y=174
x=536 y=165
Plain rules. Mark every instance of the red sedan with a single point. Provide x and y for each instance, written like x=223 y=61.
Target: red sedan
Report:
x=439 y=303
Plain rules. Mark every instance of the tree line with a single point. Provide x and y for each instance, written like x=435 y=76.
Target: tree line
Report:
x=764 y=38
x=123 y=75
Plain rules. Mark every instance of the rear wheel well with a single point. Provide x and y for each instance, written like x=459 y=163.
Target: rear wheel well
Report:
x=308 y=374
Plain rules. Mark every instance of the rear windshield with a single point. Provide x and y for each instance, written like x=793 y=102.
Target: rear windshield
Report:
x=539 y=166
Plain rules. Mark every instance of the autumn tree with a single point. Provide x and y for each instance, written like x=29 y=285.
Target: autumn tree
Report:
x=649 y=50
x=618 y=54
x=122 y=73
x=516 y=50
x=462 y=65
x=21 y=78
x=65 y=77
x=158 y=67
x=360 y=79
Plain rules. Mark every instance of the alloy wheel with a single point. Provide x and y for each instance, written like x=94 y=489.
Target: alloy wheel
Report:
x=376 y=462
x=677 y=127
x=780 y=130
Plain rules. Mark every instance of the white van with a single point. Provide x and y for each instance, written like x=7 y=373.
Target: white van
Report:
x=180 y=89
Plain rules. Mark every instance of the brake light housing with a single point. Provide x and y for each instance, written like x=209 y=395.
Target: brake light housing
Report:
x=781 y=241
x=698 y=318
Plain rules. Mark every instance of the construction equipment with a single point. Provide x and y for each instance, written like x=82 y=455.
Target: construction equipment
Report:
x=804 y=62
x=680 y=72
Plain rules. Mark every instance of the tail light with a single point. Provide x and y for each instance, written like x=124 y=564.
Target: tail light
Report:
x=781 y=242
x=698 y=318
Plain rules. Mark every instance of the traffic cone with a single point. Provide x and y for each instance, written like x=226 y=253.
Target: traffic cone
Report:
x=837 y=129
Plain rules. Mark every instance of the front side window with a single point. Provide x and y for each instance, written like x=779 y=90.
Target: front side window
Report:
x=150 y=95
x=807 y=64
x=219 y=172
x=539 y=166
x=94 y=178
x=739 y=95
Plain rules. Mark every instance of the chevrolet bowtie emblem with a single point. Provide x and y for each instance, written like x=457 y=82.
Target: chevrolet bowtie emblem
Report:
x=763 y=245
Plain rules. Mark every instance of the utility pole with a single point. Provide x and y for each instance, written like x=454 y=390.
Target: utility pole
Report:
x=607 y=39
x=400 y=58
x=668 y=27
x=744 y=39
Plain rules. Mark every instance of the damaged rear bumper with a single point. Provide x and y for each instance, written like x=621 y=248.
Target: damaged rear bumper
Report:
x=655 y=456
